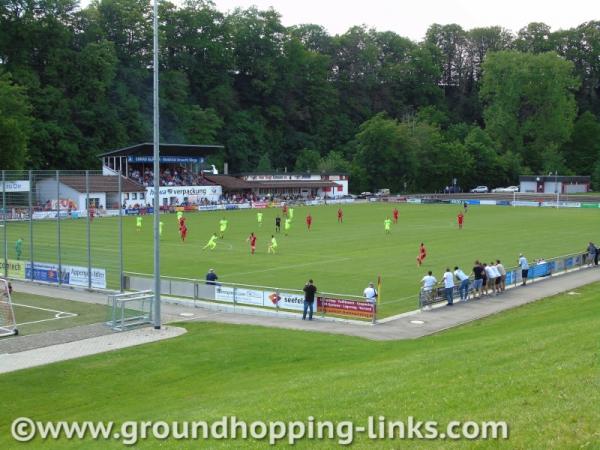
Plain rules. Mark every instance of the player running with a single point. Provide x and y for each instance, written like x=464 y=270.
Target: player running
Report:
x=223 y=226
x=287 y=226
x=340 y=216
x=285 y=210
x=138 y=223
x=179 y=216
x=460 y=218
x=183 y=229
x=252 y=240
x=19 y=248
x=259 y=218
x=212 y=242
x=308 y=221
x=272 y=245
x=396 y=214
x=422 y=254
x=92 y=212
x=161 y=224
x=291 y=213
x=278 y=224
x=387 y=224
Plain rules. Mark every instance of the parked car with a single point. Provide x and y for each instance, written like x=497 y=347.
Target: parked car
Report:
x=364 y=195
x=480 y=190
x=509 y=189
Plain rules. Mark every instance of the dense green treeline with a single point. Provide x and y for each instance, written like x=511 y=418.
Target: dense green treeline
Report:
x=481 y=105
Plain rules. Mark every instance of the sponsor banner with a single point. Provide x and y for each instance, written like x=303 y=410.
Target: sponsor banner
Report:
x=166 y=159
x=561 y=204
x=185 y=193
x=138 y=211
x=354 y=308
x=16 y=186
x=13 y=268
x=41 y=215
x=209 y=207
x=70 y=275
x=502 y=203
x=231 y=207
x=224 y=294
x=260 y=205
x=487 y=202
x=78 y=276
x=184 y=208
x=313 y=202
x=472 y=202
x=525 y=203
x=589 y=205
x=244 y=205
x=512 y=276
x=541 y=269
x=456 y=201
x=413 y=200
x=285 y=300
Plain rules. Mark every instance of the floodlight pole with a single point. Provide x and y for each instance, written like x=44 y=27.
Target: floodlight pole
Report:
x=156 y=166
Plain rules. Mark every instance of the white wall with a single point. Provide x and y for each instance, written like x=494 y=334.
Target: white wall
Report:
x=528 y=186
x=46 y=190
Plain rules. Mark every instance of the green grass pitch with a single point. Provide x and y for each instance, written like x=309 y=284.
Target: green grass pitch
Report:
x=341 y=258
x=535 y=367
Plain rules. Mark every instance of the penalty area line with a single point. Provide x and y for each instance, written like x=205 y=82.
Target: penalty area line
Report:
x=274 y=269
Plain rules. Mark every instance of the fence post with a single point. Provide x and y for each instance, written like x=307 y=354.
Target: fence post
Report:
x=121 y=268
x=375 y=311
x=4 y=223
x=87 y=211
x=31 y=224
x=58 y=226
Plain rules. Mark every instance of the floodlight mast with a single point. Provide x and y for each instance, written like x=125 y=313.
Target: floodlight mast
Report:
x=156 y=138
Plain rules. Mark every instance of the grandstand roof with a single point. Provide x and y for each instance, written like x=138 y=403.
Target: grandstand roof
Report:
x=147 y=149
x=292 y=184
x=229 y=183
x=101 y=183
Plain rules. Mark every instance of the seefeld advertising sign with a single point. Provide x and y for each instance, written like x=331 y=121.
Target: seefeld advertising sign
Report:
x=69 y=275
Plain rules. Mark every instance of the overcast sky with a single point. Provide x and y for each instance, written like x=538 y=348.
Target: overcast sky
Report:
x=411 y=18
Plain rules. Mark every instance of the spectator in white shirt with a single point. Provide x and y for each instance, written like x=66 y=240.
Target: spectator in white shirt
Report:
x=497 y=277
x=502 y=271
x=524 y=265
x=429 y=282
x=463 y=287
x=449 y=286
x=370 y=293
x=491 y=277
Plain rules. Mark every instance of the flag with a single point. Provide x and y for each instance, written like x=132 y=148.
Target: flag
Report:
x=379 y=288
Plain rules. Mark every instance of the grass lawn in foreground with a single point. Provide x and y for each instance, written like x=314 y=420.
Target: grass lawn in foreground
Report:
x=341 y=258
x=36 y=314
x=536 y=367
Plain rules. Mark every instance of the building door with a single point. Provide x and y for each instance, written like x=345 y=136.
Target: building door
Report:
x=540 y=186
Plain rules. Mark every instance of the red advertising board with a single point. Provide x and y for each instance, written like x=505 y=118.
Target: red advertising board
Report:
x=260 y=204
x=354 y=308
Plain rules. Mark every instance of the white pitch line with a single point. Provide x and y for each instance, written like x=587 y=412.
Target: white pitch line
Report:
x=314 y=263
x=47 y=320
x=40 y=308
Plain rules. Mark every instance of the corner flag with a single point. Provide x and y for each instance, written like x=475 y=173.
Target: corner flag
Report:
x=379 y=288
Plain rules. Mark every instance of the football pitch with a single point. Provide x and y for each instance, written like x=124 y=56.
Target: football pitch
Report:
x=340 y=257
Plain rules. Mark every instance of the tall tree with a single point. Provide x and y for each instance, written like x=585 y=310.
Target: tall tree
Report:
x=15 y=124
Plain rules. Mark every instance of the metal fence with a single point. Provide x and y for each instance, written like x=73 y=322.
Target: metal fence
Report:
x=539 y=270
x=253 y=296
x=62 y=227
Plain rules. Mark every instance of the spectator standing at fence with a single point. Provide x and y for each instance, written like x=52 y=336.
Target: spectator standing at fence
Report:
x=429 y=282
x=370 y=293
x=477 y=278
x=497 y=277
x=502 y=272
x=463 y=287
x=309 y=298
x=524 y=265
x=491 y=277
x=19 y=247
x=448 y=278
x=484 y=279
x=211 y=277
x=593 y=254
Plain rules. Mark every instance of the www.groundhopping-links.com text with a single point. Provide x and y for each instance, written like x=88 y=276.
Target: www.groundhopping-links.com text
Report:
x=26 y=429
